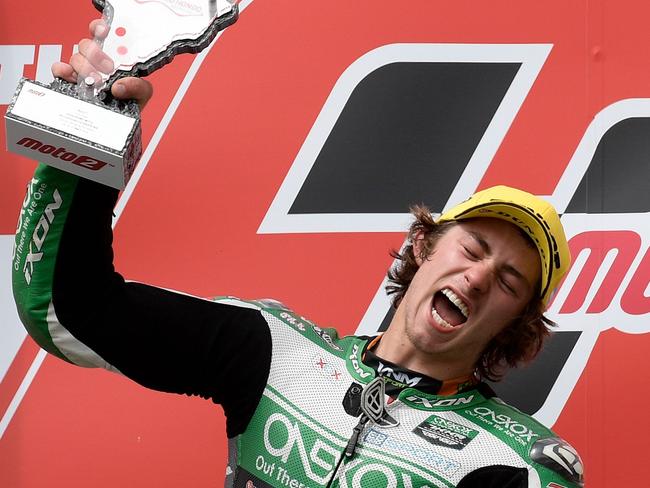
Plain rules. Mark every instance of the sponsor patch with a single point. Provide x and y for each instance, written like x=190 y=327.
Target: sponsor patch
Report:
x=426 y=457
x=290 y=319
x=355 y=360
x=439 y=403
x=440 y=431
x=509 y=426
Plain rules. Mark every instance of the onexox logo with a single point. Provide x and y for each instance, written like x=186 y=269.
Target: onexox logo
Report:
x=62 y=153
x=522 y=433
x=299 y=456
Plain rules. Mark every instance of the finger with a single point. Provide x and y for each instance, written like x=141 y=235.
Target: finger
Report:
x=82 y=66
x=98 y=29
x=91 y=58
x=64 y=71
x=95 y=56
x=133 y=88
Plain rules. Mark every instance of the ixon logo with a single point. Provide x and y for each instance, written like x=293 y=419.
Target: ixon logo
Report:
x=33 y=251
x=355 y=362
x=442 y=402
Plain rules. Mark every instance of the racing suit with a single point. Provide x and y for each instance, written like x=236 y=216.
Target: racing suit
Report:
x=290 y=389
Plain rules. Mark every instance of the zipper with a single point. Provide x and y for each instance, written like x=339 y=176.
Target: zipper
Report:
x=350 y=447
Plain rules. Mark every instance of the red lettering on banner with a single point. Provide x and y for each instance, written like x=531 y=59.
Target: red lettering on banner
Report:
x=634 y=300
x=626 y=242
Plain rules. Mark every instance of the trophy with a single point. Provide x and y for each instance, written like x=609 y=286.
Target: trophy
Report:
x=80 y=128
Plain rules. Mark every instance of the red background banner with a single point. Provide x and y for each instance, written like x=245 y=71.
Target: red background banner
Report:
x=191 y=221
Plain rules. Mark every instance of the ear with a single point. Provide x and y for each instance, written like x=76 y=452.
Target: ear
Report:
x=418 y=247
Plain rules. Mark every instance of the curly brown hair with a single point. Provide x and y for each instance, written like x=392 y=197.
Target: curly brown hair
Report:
x=518 y=343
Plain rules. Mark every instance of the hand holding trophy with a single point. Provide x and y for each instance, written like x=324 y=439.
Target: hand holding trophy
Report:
x=80 y=127
x=90 y=56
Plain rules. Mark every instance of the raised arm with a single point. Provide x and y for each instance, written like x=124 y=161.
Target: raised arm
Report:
x=78 y=308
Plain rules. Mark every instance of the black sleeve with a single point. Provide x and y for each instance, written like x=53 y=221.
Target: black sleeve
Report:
x=496 y=477
x=163 y=340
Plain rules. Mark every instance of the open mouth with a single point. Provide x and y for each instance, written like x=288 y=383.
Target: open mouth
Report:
x=448 y=310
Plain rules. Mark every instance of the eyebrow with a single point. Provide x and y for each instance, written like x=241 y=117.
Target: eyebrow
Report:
x=481 y=241
x=508 y=268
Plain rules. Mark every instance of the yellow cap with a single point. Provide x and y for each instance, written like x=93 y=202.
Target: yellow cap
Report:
x=535 y=216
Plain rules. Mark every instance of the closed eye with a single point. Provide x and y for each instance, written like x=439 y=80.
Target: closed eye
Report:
x=470 y=253
x=508 y=286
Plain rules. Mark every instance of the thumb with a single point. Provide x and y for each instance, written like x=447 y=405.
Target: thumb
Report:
x=136 y=89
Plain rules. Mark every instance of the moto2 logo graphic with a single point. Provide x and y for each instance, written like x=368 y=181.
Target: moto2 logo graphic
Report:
x=422 y=122
x=62 y=153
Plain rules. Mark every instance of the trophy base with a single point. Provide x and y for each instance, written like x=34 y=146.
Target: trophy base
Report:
x=90 y=139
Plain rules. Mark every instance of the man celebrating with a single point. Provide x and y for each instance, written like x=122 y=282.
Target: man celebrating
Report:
x=304 y=407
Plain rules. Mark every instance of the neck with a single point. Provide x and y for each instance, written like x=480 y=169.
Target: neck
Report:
x=398 y=378
x=398 y=347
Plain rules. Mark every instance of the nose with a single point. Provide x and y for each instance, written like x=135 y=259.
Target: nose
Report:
x=478 y=277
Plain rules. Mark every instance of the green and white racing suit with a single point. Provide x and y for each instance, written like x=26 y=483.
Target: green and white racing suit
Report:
x=291 y=391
